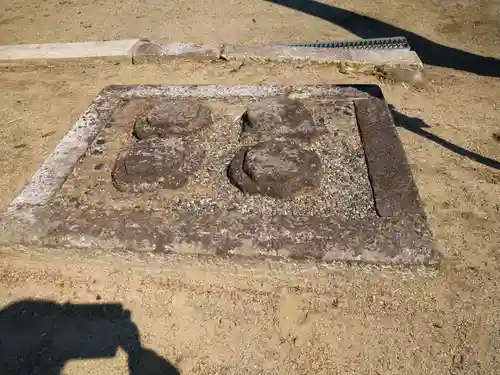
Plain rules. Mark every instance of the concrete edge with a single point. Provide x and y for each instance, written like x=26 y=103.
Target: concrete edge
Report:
x=322 y=55
x=401 y=64
x=154 y=52
x=377 y=57
x=42 y=54
x=59 y=164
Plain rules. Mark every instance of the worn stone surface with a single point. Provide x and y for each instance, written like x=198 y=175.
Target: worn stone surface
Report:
x=275 y=52
x=385 y=240
x=119 y=50
x=278 y=118
x=338 y=220
x=399 y=64
x=156 y=164
x=176 y=117
x=155 y=52
x=276 y=169
x=392 y=181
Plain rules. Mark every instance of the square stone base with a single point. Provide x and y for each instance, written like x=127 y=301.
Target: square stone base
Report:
x=366 y=207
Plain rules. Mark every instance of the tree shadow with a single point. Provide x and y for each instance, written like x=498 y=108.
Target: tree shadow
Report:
x=418 y=126
x=366 y=27
x=38 y=337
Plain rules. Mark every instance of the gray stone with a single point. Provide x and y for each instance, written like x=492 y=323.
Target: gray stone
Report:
x=279 y=118
x=393 y=186
x=155 y=52
x=276 y=169
x=398 y=64
x=156 y=164
x=109 y=50
x=337 y=221
x=173 y=118
x=284 y=53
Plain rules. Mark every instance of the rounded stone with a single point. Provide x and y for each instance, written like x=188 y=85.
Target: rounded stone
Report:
x=279 y=118
x=276 y=169
x=237 y=175
x=173 y=118
x=156 y=164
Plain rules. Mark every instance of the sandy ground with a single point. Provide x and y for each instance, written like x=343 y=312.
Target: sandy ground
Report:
x=471 y=24
x=220 y=316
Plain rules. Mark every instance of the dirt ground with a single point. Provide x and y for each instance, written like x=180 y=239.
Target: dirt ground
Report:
x=227 y=316
x=471 y=24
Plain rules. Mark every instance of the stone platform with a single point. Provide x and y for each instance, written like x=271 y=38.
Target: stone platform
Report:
x=253 y=170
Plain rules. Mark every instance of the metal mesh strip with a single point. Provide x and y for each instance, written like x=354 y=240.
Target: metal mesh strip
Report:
x=376 y=43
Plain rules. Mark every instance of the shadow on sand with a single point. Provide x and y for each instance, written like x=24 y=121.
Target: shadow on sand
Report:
x=430 y=52
x=418 y=126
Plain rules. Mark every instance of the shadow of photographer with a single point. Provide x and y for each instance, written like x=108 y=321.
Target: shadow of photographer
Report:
x=38 y=337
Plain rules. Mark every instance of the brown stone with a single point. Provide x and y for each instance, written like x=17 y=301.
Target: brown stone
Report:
x=276 y=169
x=156 y=164
x=279 y=118
x=173 y=118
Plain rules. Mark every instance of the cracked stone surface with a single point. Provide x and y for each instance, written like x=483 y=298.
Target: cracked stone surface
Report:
x=276 y=169
x=156 y=164
x=173 y=118
x=279 y=118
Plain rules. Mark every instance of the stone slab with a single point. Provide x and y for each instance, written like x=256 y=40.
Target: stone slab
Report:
x=154 y=52
x=121 y=50
x=392 y=57
x=322 y=55
x=401 y=64
x=390 y=175
x=71 y=200
x=285 y=53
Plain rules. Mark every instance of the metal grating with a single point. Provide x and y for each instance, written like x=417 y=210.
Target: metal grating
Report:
x=375 y=43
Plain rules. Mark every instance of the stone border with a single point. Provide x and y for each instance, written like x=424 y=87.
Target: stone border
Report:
x=150 y=51
x=398 y=64
x=57 y=166
x=322 y=55
x=403 y=64
x=154 y=52
x=25 y=54
x=20 y=223
x=394 y=189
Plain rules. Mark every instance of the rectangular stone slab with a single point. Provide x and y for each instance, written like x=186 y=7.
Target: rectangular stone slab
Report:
x=390 y=175
x=366 y=209
x=103 y=50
